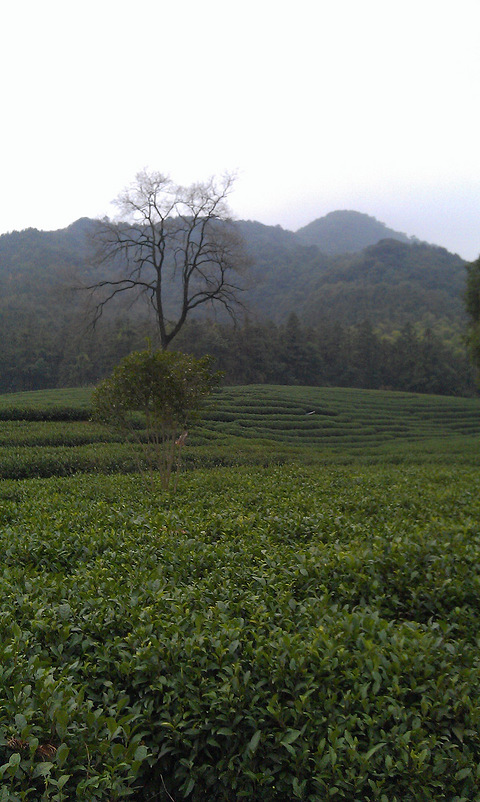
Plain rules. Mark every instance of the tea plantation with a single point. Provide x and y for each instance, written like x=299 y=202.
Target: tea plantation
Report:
x=300 y=620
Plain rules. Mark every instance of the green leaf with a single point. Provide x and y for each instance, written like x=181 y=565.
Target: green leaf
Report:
x=62 y=720
x=113 y=728
x=373 y=750
x=43 y=769
x=20 y=722
x=254 y=741
x=290 y=737
x=141 y=752
x=118 y=751
x=459 y=732
x=62 y=780
x=61 y=754
x=460 y=775
x=64 y=611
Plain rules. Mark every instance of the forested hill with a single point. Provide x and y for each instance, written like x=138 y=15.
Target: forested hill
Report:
x=342 y=270
x=390 y=282
x=347 y=232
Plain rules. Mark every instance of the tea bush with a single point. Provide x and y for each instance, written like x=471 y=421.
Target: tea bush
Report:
x=70 y=404
x=19 y=433
x=247 y=425
x=271 y=633
x=27 y=462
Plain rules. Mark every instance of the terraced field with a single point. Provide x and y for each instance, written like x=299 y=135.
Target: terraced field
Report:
x=68 y=404
x=338 y=417
x=50 y=432
x=298 y=621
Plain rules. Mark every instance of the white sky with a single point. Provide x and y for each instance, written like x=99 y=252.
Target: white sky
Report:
x=318 y=105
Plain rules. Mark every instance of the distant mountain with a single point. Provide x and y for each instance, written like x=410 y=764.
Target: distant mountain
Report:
x=344 y=268
x=281 y=265
x=390 y=280
x=346 y=232
x=391 y=283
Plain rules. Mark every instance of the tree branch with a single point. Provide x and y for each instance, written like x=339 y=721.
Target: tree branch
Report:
x=177 y=244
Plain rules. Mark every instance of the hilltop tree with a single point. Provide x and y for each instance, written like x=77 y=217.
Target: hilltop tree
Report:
x=175 y=245
x=472 y=302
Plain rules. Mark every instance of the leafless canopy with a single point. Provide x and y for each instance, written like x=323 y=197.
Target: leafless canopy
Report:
x=176 y=245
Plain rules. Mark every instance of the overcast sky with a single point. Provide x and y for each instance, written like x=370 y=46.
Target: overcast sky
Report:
x=317 y=105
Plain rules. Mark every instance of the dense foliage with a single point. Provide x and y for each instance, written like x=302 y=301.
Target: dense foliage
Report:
x=472 y=298
x=391 y=286
x=161 y=392
x=271 y=631
x=327 y=353
x=331 y=354
x=280 y=633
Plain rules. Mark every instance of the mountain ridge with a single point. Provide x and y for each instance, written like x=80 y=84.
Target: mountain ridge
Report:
x=347 y=231
x=290 y=271
x=333 y=233
x=391 y=283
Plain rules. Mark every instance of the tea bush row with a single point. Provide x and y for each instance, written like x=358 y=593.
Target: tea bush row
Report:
x=54 y=413
x=280 y=414
x=53 y=433
x=30 y=462
x=209 y=449
x=277 y=633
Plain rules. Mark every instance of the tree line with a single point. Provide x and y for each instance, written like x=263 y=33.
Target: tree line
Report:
x=332 y=354
x=38 y=355
x=174 y=247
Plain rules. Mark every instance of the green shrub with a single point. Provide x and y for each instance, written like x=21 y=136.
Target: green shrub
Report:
x=275 y=633
x=162 y=389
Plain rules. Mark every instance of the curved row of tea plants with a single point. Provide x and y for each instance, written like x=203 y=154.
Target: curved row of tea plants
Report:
x=330 y=416
x=49 y=432
x=276 y=634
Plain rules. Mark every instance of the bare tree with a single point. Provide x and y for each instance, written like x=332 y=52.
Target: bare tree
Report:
x=176 y=245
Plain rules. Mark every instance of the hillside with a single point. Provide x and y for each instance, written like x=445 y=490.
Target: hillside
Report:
x=50 y=432
x=392 y=283
x=347 y=264
x=297 y=619
x=346 y=232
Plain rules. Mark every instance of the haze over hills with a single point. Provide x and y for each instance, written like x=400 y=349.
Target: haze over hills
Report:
x=347 y=232
x=342 y=269
x=347 y=265
x=351 y=267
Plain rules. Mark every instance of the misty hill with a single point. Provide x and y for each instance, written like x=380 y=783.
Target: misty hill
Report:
x=392 y=282
x=39 y=263
x=346 y=232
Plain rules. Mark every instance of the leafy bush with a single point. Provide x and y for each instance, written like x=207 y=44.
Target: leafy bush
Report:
x=30 y=462
x=275 y=633
x=165 y=389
